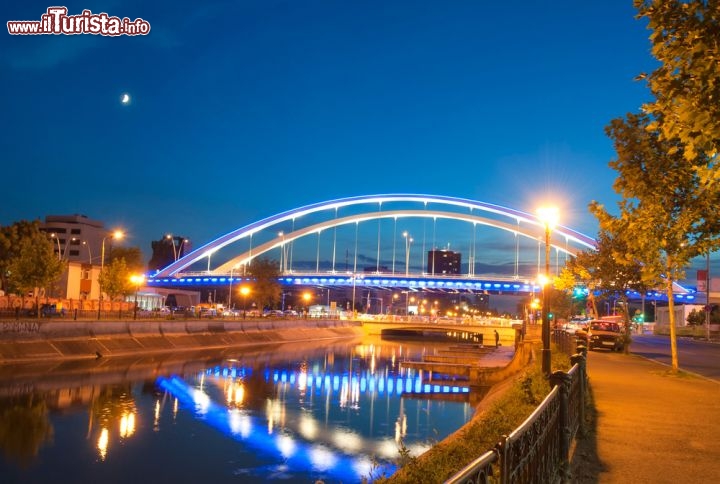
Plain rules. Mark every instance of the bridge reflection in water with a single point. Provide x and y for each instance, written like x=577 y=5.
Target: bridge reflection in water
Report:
x=329 y=411
x=297 y=433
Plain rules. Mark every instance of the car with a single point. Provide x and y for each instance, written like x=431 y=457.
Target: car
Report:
x=573 y=328
x=605 y=334
x=47 y=311
x=273 y=313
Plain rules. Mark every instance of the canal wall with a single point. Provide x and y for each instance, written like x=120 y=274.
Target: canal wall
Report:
x=46 y=340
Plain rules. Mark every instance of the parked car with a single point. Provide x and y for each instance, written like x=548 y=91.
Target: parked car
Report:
x=605 y=334
x=47 y=311
x=273 y=313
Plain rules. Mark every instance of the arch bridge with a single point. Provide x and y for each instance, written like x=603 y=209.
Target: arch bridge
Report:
x=385 y=240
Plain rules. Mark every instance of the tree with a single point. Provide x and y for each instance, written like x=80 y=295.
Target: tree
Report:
x=24 y=428
x=132 y=256
x=266 y=287
x=35 y=266
x=115 y=279
x=668 y=214
x=686 y=86
x=10 y=237
x=606 y=271
x=695 y=318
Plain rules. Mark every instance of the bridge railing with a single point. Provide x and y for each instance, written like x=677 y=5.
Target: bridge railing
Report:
x=539 y=449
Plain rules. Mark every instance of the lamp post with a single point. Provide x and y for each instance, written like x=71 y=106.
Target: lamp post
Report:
x=67 y=242
x=307 y=297
x=115 y=235
x=244 y=291
x=707 y=297
x=549 y=216
x=57 y=239
x=172 y=241
x=177 y=250
x=408 y=241
x=84 y=242
x=137 y=280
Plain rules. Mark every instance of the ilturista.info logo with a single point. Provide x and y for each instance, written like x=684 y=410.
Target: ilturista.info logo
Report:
x=56 y=21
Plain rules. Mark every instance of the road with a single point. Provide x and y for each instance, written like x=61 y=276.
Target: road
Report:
x=697 y=356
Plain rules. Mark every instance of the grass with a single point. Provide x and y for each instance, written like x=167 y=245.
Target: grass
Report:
x=480 y=434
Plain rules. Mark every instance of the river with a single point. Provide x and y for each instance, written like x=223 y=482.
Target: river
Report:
x=291 y=413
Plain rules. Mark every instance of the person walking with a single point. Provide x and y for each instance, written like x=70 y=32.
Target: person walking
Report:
x=497 y=339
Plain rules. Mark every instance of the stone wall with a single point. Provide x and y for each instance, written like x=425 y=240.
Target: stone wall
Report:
x=28 y=340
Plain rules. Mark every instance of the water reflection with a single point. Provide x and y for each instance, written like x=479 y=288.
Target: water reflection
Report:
x=24 y=428
x=336 y=414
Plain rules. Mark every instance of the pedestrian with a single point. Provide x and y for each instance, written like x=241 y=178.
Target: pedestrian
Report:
x=497 y=339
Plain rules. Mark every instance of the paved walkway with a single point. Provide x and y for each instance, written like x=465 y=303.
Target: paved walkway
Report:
x=650 y=426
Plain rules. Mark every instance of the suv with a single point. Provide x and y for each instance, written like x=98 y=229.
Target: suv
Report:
x=605 y=334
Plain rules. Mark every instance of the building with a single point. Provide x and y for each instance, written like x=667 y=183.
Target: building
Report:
x=76 y=238
x=166 y=251
x=443 y=262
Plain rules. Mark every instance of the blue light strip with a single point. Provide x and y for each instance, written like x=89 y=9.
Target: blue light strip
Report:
x=366 y=381
x=341 y=467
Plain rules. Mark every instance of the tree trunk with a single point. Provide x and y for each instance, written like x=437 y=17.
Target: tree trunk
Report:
x=627 y=330
x=673 y=331
x=591 y=297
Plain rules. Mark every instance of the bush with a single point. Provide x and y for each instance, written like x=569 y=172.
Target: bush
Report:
x=483 y=432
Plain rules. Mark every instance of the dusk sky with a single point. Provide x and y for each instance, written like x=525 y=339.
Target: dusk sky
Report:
x=242 y=109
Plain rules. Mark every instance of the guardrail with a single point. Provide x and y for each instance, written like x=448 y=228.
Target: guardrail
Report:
x=539 y=449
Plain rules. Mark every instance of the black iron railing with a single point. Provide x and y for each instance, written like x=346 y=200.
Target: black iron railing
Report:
x=538 y=451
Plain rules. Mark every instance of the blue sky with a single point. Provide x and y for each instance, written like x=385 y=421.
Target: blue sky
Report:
x=242 y=109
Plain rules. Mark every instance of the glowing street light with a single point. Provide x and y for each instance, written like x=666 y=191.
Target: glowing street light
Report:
x=307 y=297
x=138 y=281
x=57 y=239
x=244 y=292
x=84 y=242
x=67 y=242
x=117 y=235
x=177 y=250
x=549 y=217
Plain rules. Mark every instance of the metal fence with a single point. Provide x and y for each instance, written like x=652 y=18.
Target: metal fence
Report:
x=538 y=451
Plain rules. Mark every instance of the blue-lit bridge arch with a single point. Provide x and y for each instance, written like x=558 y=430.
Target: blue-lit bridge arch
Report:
x=281 y=231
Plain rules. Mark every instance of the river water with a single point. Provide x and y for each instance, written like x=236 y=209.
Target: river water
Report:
x=292 y=413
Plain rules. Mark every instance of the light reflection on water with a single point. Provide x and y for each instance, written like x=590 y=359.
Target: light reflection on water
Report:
x=337 y=415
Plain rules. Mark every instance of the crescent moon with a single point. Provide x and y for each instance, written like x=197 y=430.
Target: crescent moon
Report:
x=125 y=99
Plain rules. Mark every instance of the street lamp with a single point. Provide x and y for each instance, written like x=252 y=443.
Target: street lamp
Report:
x=549 y=217
x=177 y=251
x=115 y=235
x=84 y=242
x=57 y=239
x=244 y=291
x=307 y=297
x=67 y=242
x=408 y=241
x=137 y=280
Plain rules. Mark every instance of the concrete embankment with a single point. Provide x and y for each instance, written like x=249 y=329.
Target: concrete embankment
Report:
x=43 y=340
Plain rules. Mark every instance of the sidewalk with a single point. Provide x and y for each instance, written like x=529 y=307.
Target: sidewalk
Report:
x=650 y=426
